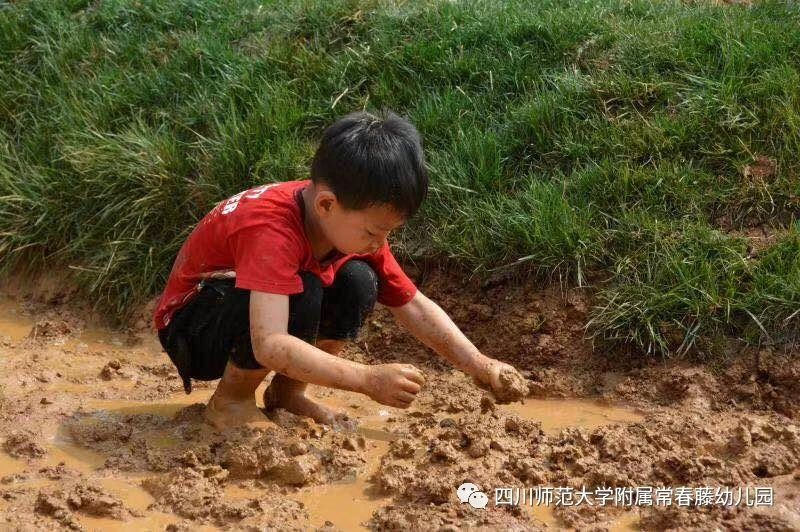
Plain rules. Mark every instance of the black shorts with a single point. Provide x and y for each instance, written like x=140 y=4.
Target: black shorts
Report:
x=214 y=326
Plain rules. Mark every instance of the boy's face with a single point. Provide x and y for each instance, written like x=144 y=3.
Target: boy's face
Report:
x=358 y=231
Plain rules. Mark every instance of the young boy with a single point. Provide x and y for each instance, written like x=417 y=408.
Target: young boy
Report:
x=279 y=277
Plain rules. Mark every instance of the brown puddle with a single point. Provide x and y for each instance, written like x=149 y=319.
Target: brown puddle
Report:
x=558 y=414
x=61 y=450
x=347 y=504
x=135 y=498
x=360 y=498
x=350 y=503
x=13 y=323
x=167 y=409
x=73 y=455
x=10 y=465
x=545 y=515
x=87 y=461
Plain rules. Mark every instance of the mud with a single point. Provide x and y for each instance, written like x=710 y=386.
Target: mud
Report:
x=97 y=433
x=513 y=387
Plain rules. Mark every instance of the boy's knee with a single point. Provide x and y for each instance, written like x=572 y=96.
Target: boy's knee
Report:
x=359 y=282
x=348 y=301
x=311 y=296
x=304 y=308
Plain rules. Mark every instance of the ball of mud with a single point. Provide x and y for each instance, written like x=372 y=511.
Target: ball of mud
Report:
x=513 y=387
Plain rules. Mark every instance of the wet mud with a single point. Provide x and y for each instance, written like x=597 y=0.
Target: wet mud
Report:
x=97 y=434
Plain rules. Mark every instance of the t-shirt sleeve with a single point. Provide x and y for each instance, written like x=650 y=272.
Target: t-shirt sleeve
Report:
x=395 y=288
x=267 y=259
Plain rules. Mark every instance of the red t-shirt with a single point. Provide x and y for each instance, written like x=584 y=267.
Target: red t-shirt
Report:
x=259 y=234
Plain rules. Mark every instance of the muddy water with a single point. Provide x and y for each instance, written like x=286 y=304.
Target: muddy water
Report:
x=348 y=504
x=167 y=409
x=10 y=465
x=62 y=450
x=627 y=522
x=87 y=462
x=17 y=325
x=135 y=498
x=361 y=498
x=558 y=414
x=13 y=323
x=358 y=497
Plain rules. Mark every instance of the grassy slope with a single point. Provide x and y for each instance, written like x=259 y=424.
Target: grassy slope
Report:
x=571 y=137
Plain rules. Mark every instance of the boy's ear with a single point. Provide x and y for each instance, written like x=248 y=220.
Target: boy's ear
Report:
x=325 y=202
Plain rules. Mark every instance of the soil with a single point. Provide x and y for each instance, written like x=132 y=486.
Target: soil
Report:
x=513 y=387
x=96 y=432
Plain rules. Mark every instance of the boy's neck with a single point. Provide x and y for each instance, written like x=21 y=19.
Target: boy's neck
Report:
x=320 y=246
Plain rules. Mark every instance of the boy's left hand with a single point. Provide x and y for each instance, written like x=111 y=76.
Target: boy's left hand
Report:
x=503 y=380
x=429 y=323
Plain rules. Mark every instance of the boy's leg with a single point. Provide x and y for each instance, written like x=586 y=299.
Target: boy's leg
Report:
x=221 y=349
x=345 y=305
x=216 y=328
x=233 y=402
x=289 y=394
x=304 y=320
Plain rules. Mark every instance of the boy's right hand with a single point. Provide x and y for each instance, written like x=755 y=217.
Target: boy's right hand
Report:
x=393 y=384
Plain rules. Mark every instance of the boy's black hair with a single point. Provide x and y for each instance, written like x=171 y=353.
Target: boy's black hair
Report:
x=368 y=159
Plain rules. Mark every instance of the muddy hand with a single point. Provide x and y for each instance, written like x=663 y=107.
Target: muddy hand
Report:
x=504 y=381
x=394 y=384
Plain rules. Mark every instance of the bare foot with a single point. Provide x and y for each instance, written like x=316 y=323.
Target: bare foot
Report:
x=289 y=395
x=226 y=413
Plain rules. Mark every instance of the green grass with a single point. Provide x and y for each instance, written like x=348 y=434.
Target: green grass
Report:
x=575 y=139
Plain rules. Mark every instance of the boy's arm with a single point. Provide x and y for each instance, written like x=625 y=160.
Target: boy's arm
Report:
x=275 y=349
x=432 y=326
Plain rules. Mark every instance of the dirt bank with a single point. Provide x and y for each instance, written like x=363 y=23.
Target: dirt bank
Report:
x=97 y=434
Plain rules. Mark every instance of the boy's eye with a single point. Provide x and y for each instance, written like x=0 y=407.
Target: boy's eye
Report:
x=370 y=233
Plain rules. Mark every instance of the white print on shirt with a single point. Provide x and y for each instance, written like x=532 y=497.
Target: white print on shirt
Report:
x=233 y=202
